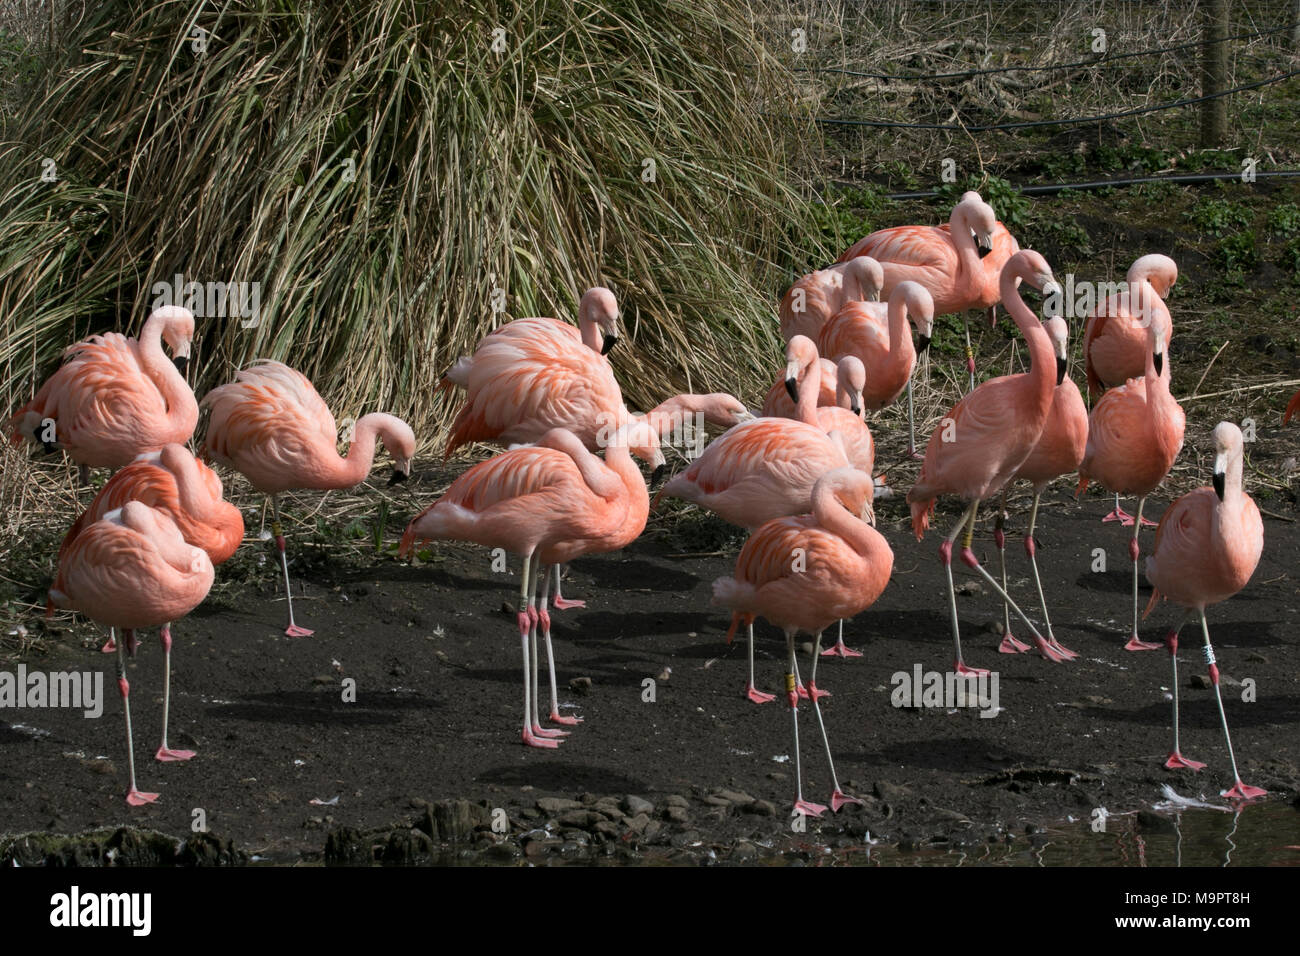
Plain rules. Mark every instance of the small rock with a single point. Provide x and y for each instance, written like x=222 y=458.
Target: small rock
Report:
x=322 y=679
x=638 y=823
x=762 y=808
x=676 y=814
x=635 y=806
x=580 y=685
x=557 y=805
x=676 y=800
x=737 y=797
x=579 y=819
x=1199 y=682
x=744 y=852
x=970 y=587
x=652 y=830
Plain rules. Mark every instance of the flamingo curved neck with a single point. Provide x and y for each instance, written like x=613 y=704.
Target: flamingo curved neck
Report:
x=1042 y=357
x=834 y=517
x=968 y=257
x=809 y=391
x=901 y=351
x=176 y=393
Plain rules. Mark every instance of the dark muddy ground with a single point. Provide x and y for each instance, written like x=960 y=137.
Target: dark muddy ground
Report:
x=438 y=700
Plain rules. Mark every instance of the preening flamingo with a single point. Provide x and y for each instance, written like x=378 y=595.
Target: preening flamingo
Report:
x=132 y=569
x=272 y=427
x=803 y=573
x=548 y=503
x=947 y=261
x=1208 y=545
x=981 y=444
x=114 y=397
x=814 y=298
x=1115 y=331
x=878 y=335
x=840 y=384
x=597 y=329
x=175 y=483
x=1135 y=433
x=1058 y=451
x=764 y=469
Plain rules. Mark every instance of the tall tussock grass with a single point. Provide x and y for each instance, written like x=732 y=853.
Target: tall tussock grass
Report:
x=386 y=169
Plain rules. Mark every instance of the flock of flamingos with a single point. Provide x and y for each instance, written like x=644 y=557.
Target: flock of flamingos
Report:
x=798 y=477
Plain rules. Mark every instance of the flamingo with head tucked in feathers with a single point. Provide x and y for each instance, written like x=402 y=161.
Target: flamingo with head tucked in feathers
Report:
x=813 y=299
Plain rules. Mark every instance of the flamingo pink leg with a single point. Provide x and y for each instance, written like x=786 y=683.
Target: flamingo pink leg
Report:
x=110 y=645
x=134 y=796
x=534 y=619
x=945 y=555
x=1176 y=759
x=165 y=753
x=1009 y=643
x=293 y=630
x=544 y=619
x=1134 y=642
x=752 y=692
x=561 y=604
x=801 y=690
x=1031 y=549
x=526 y=624
x=838 y=797
x=841 y=649
x=1240 y=790
x=800 y=804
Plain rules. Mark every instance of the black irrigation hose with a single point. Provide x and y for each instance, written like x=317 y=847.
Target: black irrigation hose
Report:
x=1104 y=183
x=1098 y=61
x=1027 y=124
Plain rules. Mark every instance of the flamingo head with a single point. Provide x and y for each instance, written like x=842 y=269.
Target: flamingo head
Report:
x=979 y=218
x=599 y=307
x=1227 y=451
x=853 y=489
x=1158 y=339
x=1059 y=333
x=722 y=409
x=869 y=276
x=1160 y=271
x=919 y=304
x=177 y=332
x=399 y=441
x=800 y=354
x=641 y=438
x=850 y=381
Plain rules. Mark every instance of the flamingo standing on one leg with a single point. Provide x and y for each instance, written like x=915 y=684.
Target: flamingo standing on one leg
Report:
x=131 y=569
x=547 y=503
x=802 y=573
x=764 y=469
x=176 y=484
x=813 y=299
x=114 y=397
x=1058 y=451
x=878 y=335
x=947 y=261
x=987 y=436
x=1208 y=545
x=1135 y=433
x=272 y=427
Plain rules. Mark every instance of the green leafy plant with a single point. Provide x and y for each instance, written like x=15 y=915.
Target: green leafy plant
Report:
x=1237 y=252
x=1218 y=217
x=1284 y=220
x=1011 y=207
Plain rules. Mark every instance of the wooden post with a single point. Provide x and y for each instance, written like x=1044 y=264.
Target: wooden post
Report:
x=1214 y=73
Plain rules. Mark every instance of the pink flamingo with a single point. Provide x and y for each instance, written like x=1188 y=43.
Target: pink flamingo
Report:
x=1058 y=451
x=1208 y=545
x=1115 y=331
x=175 y=483
x=132 y=569
x=987 y=436
x=841 y=384
x=765 y=469
x=548 y=503
x=1135 y=433
x=802 y=573
x=814 y=298
x=878 y=335
x=272 y=427
x=115 y=397
x=1291 y=408
x=946 y=260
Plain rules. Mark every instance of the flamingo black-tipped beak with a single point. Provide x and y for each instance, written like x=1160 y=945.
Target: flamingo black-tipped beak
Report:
x=792 y=388
x=657 y=475
x=1160 y=363
x=397 y=477
x=1060 y=370
x=50 y=447
x=923 y=343
x=981 y=248
x=181 y=361
x=1219 y=479
x=610 y=341
x=856 y=409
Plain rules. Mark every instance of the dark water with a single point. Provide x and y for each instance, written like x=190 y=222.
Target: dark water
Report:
x=1262 y=835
